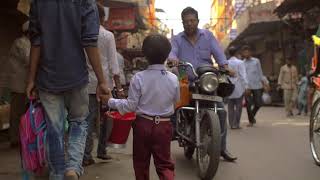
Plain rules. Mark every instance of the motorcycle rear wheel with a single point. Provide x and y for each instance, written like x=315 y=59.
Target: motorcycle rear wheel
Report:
x=208 y=155
x=314 y=131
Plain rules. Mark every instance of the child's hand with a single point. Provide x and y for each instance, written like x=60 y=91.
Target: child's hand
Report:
x=121 y=94
x=108 y=113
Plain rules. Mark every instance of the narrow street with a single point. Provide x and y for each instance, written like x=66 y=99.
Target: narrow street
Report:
x=276 y=149
x=268 y=48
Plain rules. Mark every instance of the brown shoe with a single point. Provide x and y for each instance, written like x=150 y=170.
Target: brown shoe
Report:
x=71 y=176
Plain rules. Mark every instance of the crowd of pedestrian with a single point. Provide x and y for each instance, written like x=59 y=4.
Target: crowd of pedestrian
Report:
x=251 y=84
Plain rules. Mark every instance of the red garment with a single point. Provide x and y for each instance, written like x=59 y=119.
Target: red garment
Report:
x=152 y=139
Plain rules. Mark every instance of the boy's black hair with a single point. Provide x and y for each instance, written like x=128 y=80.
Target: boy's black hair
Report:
x=189 y=10
x=156 y=48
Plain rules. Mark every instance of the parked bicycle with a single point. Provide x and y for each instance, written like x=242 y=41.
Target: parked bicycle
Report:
x=314 y=127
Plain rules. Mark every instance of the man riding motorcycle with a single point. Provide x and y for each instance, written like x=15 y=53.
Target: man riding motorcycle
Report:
x=196 y=46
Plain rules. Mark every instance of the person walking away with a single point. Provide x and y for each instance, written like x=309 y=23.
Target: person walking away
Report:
x=17 y=82
x=196 y=46
x=122 y=63
x=110 y=66
x=303 y=95
x=253 y=95
x=58 y=71
x=152 y=95
x=241 y=84
x=287 y=80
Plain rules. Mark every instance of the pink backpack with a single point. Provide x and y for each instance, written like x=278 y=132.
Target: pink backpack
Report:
x=32 y=137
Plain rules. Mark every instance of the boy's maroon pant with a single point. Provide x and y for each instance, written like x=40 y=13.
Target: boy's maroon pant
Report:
x=153 y=139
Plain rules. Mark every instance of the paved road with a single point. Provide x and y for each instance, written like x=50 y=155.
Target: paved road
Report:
x=276 y=149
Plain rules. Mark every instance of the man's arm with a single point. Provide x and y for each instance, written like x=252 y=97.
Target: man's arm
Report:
x=280 y=77
x=217 y=51
x=243 y=75
x=102 y=87
x=113 y=60
x=260 y=73
x=173 y=59
x=89 y=37
x=174 y=49
x=94 y=58
x=34 y=63
x=35 y=38
x=219 y=55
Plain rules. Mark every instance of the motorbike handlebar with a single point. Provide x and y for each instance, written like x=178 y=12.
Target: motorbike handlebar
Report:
x=186 y=64
x=172 y=64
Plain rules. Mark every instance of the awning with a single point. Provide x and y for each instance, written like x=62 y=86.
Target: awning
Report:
x=295 y=6
x=256 y=31
x=256 y=22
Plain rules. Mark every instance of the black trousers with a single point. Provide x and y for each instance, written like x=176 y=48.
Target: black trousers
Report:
x=253 y=103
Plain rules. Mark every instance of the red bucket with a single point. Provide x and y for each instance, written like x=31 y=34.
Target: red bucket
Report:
x=120 y=129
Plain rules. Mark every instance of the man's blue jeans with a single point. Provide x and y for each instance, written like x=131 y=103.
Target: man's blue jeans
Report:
x=55 y=104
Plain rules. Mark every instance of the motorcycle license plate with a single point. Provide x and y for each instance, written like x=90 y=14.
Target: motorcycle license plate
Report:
x=207 y=97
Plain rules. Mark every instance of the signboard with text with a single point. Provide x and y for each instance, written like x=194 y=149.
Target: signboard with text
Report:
x=121 y=19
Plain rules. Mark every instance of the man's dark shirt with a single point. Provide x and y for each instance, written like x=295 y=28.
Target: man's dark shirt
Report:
x=62 y=29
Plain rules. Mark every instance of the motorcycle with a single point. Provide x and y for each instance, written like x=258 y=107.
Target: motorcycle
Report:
x=197 y=123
